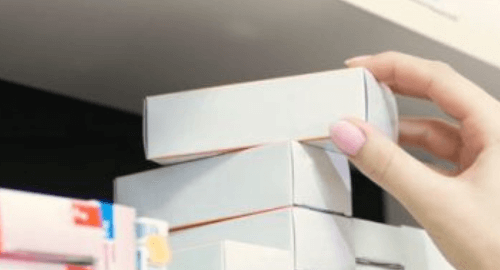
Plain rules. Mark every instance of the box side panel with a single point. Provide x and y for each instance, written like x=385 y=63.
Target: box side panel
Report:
x=272 y=229
x=208 y=257
x=124 y=243
x=250 y=114
x=378 y=242
x=321 y=179
x=214 y=188
x=242 y=256
x=381 y=107
x=315 y=103
x=435 y=258
x=414 y=245
x=322 y=241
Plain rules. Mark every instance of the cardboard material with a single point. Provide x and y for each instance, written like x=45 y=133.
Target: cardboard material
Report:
x=317 y=240
x=193 y=124
x=231 y=255
x=262 y=178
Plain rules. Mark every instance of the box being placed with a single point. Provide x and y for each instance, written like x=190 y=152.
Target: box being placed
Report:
x=193 y=124
x=241 y=183
x=316 y=240
x=60 y=230
x=231 y=255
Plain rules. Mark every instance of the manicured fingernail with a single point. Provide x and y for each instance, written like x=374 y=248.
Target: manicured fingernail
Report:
x=347 y=137
x=353 y=60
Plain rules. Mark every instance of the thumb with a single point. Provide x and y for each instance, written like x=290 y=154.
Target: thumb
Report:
x=385 y=163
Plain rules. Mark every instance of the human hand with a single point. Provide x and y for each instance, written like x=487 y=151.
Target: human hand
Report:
x=459 y=209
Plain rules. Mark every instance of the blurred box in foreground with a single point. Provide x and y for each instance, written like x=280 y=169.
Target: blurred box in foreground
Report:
x=52 y=229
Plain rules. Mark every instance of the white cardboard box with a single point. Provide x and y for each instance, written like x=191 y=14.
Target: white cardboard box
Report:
x=253 y=180
x=193 y=124
x=231 y=255
x=318 y=240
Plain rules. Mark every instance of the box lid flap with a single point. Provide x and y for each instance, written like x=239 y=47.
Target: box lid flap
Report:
x=381 y=106
x=377 y=242
x=322 y=241
x=321 y=179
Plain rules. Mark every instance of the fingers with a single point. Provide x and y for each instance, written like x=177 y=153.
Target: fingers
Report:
x=435 y=136
x=436 y=81
x=385 y=163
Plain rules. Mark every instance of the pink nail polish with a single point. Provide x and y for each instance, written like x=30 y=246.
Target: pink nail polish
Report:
x=347 y=137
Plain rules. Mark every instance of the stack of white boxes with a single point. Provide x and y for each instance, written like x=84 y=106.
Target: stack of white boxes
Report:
x=271 y=191
x=49 y=232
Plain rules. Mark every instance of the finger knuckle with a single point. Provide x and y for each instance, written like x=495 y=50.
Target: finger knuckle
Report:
x=383 y=165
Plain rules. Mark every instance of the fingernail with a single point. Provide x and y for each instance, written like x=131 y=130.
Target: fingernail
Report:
x=353 y=60
x=347 y=137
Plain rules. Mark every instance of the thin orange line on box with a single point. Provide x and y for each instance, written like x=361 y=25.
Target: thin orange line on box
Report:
x=217 y=220
x=233 y=149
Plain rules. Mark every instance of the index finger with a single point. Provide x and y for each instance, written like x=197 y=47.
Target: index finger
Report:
x=434 y=80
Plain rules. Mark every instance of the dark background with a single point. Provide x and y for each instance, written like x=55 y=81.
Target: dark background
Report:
x=58 y=145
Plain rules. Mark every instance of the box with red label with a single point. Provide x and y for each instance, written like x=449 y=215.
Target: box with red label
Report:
x=55 y=229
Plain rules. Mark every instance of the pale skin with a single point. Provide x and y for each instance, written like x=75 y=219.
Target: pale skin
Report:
x=460 y=209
